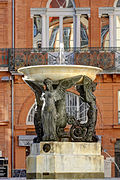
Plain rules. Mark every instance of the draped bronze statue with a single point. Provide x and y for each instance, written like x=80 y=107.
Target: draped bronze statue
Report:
x=86 y=132
x=50 y=115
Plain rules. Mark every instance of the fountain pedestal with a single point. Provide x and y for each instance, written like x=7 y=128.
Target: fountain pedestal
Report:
x=52 y=159
x=65 y=160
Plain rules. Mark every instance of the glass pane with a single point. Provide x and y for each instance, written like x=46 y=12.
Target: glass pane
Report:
x=119 y=117
x=118 y=106
x=118 y=3
x=118 y=21
x=118 y=43
x=54 y=32
x=76 y=107
x=61 y=3
x=37 y=38
x=30 y=118
x=118 y=33
x=84 y=31
x=68 y=31
x=105 y=31
x=105 y=42
x=118 y=100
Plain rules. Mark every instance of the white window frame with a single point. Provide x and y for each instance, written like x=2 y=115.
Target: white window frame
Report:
x=116 y=13
x=115 y=3
x=112 y=12
x=31 y=114
x=109 y=11
x=49 y=1
x=118 y=107
x=60 y=12
x=53 y=12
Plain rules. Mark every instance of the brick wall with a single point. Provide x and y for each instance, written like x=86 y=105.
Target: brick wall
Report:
x=3 y=24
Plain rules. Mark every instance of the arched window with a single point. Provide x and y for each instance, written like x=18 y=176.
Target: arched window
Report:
x=60 y=4
x=75 y=107
x=30 y=117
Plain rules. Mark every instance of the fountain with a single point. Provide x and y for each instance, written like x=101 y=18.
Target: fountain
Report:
x=50 y=157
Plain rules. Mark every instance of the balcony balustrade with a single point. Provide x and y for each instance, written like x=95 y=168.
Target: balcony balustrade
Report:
x=105 y=58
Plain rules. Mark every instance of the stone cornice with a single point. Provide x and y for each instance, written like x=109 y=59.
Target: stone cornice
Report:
x=63 y=11
x=106 y=10
x=37 y=11
x=80 y=11
x=117 y=11
x=52 y=11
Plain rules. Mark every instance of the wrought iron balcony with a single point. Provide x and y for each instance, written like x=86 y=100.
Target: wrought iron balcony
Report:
x=106 y=58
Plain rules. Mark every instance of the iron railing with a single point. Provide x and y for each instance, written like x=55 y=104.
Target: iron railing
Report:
x=106 y=58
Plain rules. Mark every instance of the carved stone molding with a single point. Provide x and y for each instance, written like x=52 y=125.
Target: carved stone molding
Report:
x=80 y=11
x=106 y=10
x=37 y=11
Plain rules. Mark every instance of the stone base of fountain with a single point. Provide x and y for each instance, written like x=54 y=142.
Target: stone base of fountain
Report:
x=65 y=160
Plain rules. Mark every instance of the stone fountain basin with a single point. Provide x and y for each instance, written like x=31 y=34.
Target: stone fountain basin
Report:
x=58 y=72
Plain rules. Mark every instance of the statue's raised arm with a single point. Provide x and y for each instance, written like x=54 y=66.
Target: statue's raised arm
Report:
x=69 y=82
x=37 y=87
x=66 y=84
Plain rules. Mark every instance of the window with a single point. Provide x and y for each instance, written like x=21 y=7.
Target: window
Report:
x=61 y=4
x=105 y=31
x=61 y=26
x=84 y=31
x=117 y=158
x=30 y=117
x=116 y=27
x=110 y=25
x=37 y=32
x=119 y=107
x=117 y=23
x=68 y=31
x=118 y=31
x=58 y=23
x=54 y=32
x=118 y=3
x=75 y=107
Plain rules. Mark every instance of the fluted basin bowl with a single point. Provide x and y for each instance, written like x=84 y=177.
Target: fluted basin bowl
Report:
x=58 y=72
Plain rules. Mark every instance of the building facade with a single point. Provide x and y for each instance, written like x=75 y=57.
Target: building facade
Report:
x=31 y=32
